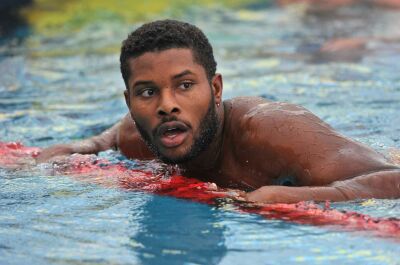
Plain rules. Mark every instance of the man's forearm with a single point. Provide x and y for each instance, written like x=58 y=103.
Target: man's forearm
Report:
x=283 y=194
x=104 y=141
x=383 y=184
x=93 y=145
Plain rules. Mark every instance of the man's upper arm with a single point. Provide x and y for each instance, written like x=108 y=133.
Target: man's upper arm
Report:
x=130 y=142
x=317 y=154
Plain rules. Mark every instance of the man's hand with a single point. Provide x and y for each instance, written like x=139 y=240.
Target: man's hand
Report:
x=234 y=194
x=53 y=152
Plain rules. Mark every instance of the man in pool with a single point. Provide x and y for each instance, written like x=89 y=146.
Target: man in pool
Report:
x=272 y=151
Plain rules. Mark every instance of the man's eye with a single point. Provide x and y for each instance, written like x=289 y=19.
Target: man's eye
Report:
x=186 y=85
x=147 y=92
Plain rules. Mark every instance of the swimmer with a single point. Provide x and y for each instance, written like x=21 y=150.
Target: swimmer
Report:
x=347 y=48
x=270 y=151
x=330 y=5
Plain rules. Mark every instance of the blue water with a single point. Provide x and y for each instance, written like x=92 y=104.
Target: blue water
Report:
x=271 y=52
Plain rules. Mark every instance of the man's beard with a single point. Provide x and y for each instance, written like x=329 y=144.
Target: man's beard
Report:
x=207 y=131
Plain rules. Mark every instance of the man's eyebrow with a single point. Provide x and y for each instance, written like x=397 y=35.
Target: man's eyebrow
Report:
x=148 y=82
x=186 y=72
x=142 y=82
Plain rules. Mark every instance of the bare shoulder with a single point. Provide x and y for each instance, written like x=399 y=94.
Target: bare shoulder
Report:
x=252 y=114
x=127 y=125
x=317 y=153
x=257 y=107
x=256 y=123
x=129 y=141
x=284 y=118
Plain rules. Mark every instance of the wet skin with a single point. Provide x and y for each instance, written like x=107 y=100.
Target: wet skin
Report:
x=261 y=147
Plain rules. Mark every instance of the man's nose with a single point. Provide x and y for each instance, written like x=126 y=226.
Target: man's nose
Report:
x=168 y=104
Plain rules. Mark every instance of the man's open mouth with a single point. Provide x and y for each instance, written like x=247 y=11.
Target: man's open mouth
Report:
x=172 y=133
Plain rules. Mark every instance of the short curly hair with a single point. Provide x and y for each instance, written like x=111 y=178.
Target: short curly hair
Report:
x=167 y=34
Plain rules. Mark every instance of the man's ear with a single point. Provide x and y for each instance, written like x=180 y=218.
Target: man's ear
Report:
x=217 y=86
x=127 y=101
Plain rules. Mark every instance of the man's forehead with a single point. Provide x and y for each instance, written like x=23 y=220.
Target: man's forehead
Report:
x=171 y=60
x=173 y=55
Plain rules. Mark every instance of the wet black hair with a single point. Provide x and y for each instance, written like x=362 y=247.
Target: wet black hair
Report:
x=167 y=34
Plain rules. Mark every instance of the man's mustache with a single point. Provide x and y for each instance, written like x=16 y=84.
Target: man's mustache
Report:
x=156 y=131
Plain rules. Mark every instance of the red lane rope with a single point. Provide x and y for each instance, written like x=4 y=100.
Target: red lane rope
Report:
x=95 y=170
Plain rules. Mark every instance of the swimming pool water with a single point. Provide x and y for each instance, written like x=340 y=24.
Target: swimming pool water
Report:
x=63 y=87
